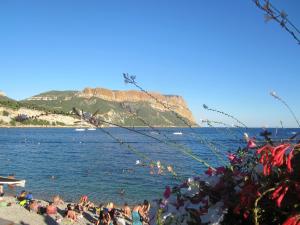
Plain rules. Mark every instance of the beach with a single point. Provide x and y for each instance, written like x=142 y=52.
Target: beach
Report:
x=18 y=215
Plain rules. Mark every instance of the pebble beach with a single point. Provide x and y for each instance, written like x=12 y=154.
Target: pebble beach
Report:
x=18 y=215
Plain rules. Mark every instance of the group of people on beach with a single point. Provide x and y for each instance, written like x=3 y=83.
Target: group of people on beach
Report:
x=111 y=215
x=102 y=215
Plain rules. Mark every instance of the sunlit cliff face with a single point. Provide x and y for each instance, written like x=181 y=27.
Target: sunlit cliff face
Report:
x=174 y=102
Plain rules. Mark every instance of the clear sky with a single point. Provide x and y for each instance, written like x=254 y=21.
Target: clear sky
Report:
x=220 y=53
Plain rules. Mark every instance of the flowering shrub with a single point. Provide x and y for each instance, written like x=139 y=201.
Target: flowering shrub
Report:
x=260 y=186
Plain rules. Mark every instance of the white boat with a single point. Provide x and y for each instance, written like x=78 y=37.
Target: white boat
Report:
x=177 y=133
x=12 y=181
x=80 y=129
x=91 y=128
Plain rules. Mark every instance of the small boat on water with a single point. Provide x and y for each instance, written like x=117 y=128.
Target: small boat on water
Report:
x=177 y=133
x=12 y=181
x=80 y=129
x=92 y=128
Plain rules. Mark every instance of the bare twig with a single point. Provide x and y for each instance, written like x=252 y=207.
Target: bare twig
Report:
x=224 y=113
x=130 y=79
x=273 y=94
x=272 y=13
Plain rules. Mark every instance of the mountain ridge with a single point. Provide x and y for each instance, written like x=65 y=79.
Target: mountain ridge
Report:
x=126 y=108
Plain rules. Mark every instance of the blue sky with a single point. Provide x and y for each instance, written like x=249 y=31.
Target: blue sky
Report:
x=220 y=53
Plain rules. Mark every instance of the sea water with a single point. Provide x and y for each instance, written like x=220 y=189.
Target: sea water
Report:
x=63 y=161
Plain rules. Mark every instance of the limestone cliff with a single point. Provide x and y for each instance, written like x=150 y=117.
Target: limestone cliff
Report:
x=2 y=93
x=174 y=102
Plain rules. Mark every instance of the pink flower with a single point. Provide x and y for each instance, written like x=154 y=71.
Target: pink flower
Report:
x=251 y=143
x=233 y=158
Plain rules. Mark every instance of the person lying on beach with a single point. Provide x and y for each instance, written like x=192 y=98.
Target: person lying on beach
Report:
x=57 y=200
x=29 y=196
x=99 y=209
x=51 y=209
x=22 y=196
x=121 y=218
x=112 y=211
x=34 y=206
x=106 y=218
x=71 y=214
x=106 y=215
x=84 y=204
x=101 y=213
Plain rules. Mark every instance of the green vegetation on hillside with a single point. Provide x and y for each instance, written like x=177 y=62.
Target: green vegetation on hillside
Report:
x=35 y=122
x=5 y=113
x=125 y=113
x=9 y=103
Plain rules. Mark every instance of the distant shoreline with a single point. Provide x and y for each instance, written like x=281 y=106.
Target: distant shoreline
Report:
x=179 y=127
x=95 y=127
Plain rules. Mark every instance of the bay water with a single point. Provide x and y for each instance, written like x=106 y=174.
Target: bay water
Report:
x=63 y=161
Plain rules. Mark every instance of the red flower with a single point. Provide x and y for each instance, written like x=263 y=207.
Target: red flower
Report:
x=289 y=161
x=264 y=149
x=267 y=169
x=220 y=170
x=266 y=158
x=279 y=193
x=293 y=220
x=297 y=189
x=167 y=192
x=278 y=154
x=247 y=197
x=209 y=172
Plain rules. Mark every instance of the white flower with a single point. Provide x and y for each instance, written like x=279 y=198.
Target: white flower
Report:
x=273 y=93
x=158 y=164
x=190 y=180
x=246 y=137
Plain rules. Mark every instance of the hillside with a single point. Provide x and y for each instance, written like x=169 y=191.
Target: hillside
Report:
x=121 y=107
